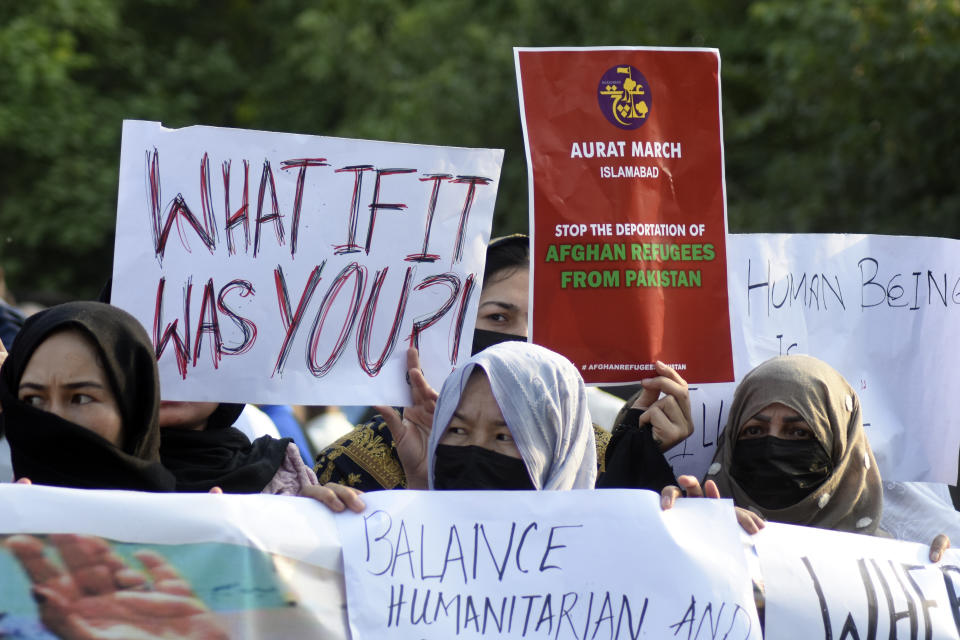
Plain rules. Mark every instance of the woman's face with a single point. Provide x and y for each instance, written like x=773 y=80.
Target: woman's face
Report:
x=777 y=420
x=478 y=421
x=191 y=416
x=504 y=302
x=64 y=377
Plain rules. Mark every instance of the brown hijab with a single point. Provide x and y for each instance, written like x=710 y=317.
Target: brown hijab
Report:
x=850 y=499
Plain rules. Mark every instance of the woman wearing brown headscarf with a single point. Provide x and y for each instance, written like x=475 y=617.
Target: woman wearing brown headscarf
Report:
x=794 y=449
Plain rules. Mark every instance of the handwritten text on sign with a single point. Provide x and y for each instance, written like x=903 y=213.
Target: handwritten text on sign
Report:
x=882 y=310
x=281 y=267
x=823 y=584
x=539 y=565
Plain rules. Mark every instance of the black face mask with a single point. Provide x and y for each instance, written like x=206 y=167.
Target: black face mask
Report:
x=478 y=468
x=483 y=339
x=779 y=473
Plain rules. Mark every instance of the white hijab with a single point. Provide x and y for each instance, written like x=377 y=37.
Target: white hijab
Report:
x=543 y=401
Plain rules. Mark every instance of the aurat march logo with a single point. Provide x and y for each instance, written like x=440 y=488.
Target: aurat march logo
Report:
x=624 y=96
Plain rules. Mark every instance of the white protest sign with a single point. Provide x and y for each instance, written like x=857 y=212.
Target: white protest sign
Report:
x=547 y=564
x=250 y=566
x=273 y=267
x=882 y=310
x=824 y=584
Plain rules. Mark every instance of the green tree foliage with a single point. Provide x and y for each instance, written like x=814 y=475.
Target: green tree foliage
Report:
x=839 y=115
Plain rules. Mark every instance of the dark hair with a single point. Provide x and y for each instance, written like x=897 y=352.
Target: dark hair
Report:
x=506 y=253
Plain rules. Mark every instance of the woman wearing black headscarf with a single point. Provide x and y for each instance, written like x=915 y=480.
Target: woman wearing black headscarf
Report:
x=203 y=450
x=80 y=396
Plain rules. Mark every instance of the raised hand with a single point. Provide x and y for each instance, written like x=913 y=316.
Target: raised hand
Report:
x=666 y=402
x=411 y=432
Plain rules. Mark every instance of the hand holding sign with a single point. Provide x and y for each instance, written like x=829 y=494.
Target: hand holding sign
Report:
x=99 y=596
x=411 y=432
x=335 y=497
x=750 y=521
x=669 y=416
x=940 y=544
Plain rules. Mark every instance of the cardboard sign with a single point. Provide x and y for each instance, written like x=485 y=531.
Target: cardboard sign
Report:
x=882 y=310
x=824 y=584
x=627 y=210
x=546 y=564
x=273 y=267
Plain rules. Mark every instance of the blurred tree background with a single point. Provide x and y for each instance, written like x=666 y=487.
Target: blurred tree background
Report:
x=839 y=115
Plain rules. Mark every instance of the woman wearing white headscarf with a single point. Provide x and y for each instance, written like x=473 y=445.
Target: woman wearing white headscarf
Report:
x=512 y=400
x=514 y=416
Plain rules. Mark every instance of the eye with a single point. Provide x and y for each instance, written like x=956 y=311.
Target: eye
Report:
x=751 y=431
x=81 y=398
x=801 y=433
x=505 y=436
x=456 y=431
x=498 y=318
x=32 y=400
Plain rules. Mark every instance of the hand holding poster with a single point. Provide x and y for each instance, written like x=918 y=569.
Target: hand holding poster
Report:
x=279 y=267
x=627 y=210
x=544 y=564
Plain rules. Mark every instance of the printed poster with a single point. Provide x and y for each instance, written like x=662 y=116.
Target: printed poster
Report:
x=627 y=210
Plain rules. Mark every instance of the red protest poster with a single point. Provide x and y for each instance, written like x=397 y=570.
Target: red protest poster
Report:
x=627 y=210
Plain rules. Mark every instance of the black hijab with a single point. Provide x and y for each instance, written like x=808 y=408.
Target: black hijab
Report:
x=221 y=456
x=52 y=451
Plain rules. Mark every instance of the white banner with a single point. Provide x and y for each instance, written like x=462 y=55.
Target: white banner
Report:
x=577 y=564
x=273 y=267
x=882 y=310
x=560 y=565
x=823 y=584
x=123 y=564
